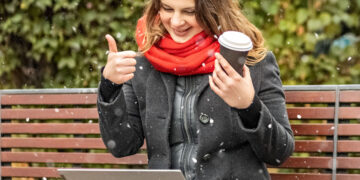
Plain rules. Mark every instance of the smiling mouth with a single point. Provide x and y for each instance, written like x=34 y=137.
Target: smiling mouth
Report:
x=180 y=33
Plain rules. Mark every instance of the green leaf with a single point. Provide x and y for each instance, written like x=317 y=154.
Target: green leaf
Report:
x=301 y=15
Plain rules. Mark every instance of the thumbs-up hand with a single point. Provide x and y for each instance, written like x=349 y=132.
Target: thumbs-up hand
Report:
x=120 y=66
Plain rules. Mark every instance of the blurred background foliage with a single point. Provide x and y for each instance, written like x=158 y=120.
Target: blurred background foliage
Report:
x=61 y=44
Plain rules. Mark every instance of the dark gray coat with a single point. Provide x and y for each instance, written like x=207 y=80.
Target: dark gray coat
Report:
x=142 y=108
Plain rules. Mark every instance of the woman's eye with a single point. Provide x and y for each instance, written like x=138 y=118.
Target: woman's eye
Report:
x=190 y=12
x=167 y=9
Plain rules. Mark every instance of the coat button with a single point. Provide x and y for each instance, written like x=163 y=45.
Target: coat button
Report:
x=204 y=118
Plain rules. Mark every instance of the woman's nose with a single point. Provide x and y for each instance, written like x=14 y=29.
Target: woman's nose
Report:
x=177 y=20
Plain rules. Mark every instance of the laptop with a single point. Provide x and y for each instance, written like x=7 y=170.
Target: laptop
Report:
x=121 y=174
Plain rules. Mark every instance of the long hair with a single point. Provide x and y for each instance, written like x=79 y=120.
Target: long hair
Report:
x=215 y=17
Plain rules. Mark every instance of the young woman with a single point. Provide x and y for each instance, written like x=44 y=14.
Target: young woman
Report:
x=194 y=110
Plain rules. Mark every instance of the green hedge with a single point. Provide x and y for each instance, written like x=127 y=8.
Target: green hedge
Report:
x=48 y=44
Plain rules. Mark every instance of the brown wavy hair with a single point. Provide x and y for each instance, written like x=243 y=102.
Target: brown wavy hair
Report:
x=215 y=17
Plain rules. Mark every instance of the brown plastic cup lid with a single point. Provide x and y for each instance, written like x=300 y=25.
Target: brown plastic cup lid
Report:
x=236 y=41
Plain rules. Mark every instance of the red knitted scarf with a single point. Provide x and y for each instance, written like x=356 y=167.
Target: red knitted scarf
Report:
x=195 y=56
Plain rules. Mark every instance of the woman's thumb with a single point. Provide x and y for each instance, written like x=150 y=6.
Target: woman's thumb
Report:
x=112 y=43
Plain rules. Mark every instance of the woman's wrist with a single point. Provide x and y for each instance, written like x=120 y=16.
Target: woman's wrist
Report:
x=250 y=115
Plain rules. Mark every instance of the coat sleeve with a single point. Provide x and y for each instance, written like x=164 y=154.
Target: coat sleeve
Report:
x=119 y=119
x=272 y=138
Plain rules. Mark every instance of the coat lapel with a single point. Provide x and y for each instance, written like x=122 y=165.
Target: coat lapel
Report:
x=159 y=100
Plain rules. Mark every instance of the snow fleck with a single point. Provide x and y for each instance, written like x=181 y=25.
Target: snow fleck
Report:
x=90 y=121
x=221 y=144
x=219 y=27
x=317 y=131
x=319 y=150
x=203 y=64
x=174 y=69
x=261 y=171
x=107 y=52
x=206 y=156
x=198 y=131
x=337 y=68
x=118 y=35
x=288 y=42
x=215 y=36
x=298 y=116
x=349 y=58
x=118 y=112
x=128 y=125
x=27 y=119
x=208 y=99
x=211 y=121
x=140 y=67
x=277 y=160
x=270 y=126
x=44 y=178
x=111 y=144
x=211 y=53
x=316 y=35
x=194 y=160
x=56 y=110
x=74 y=29
x=332 y=128
x=221 y=150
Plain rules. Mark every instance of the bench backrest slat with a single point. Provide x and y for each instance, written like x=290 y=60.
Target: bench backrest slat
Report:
x=54 y=113
x=48 y=99
x=84 y=158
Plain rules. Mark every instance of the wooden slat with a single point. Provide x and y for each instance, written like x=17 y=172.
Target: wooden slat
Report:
x=349 y=113
x=310 y=112
x=310 y=96
x=81 y=158
x=300 y=176
x=54 y=143
x=349 y=129
x=308 y=162
x=325 y=129
x=50 y=128
x=38 y=172
x=56 y=113
x=326 y=146
x=350 y=96
x=313 y=176
x=348 y=162
x=313 y=129
x=313 y=146
x=348 y=146
x=48 y=99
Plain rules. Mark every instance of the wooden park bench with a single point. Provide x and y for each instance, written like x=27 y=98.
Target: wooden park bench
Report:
x=42 y=130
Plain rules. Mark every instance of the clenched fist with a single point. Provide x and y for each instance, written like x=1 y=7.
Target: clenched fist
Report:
x=120 y=66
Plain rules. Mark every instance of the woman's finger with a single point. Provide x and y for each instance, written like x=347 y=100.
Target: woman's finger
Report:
x=217 y=81
x=220 y=72
x=214 y=87
x=126 y=69
x=112 y=43
x=229 y=70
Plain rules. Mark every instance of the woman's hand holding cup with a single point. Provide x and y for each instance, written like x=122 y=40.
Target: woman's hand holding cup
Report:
x=120 y=66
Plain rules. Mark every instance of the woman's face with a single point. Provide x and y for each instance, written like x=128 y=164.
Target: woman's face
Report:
x=178 y=18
